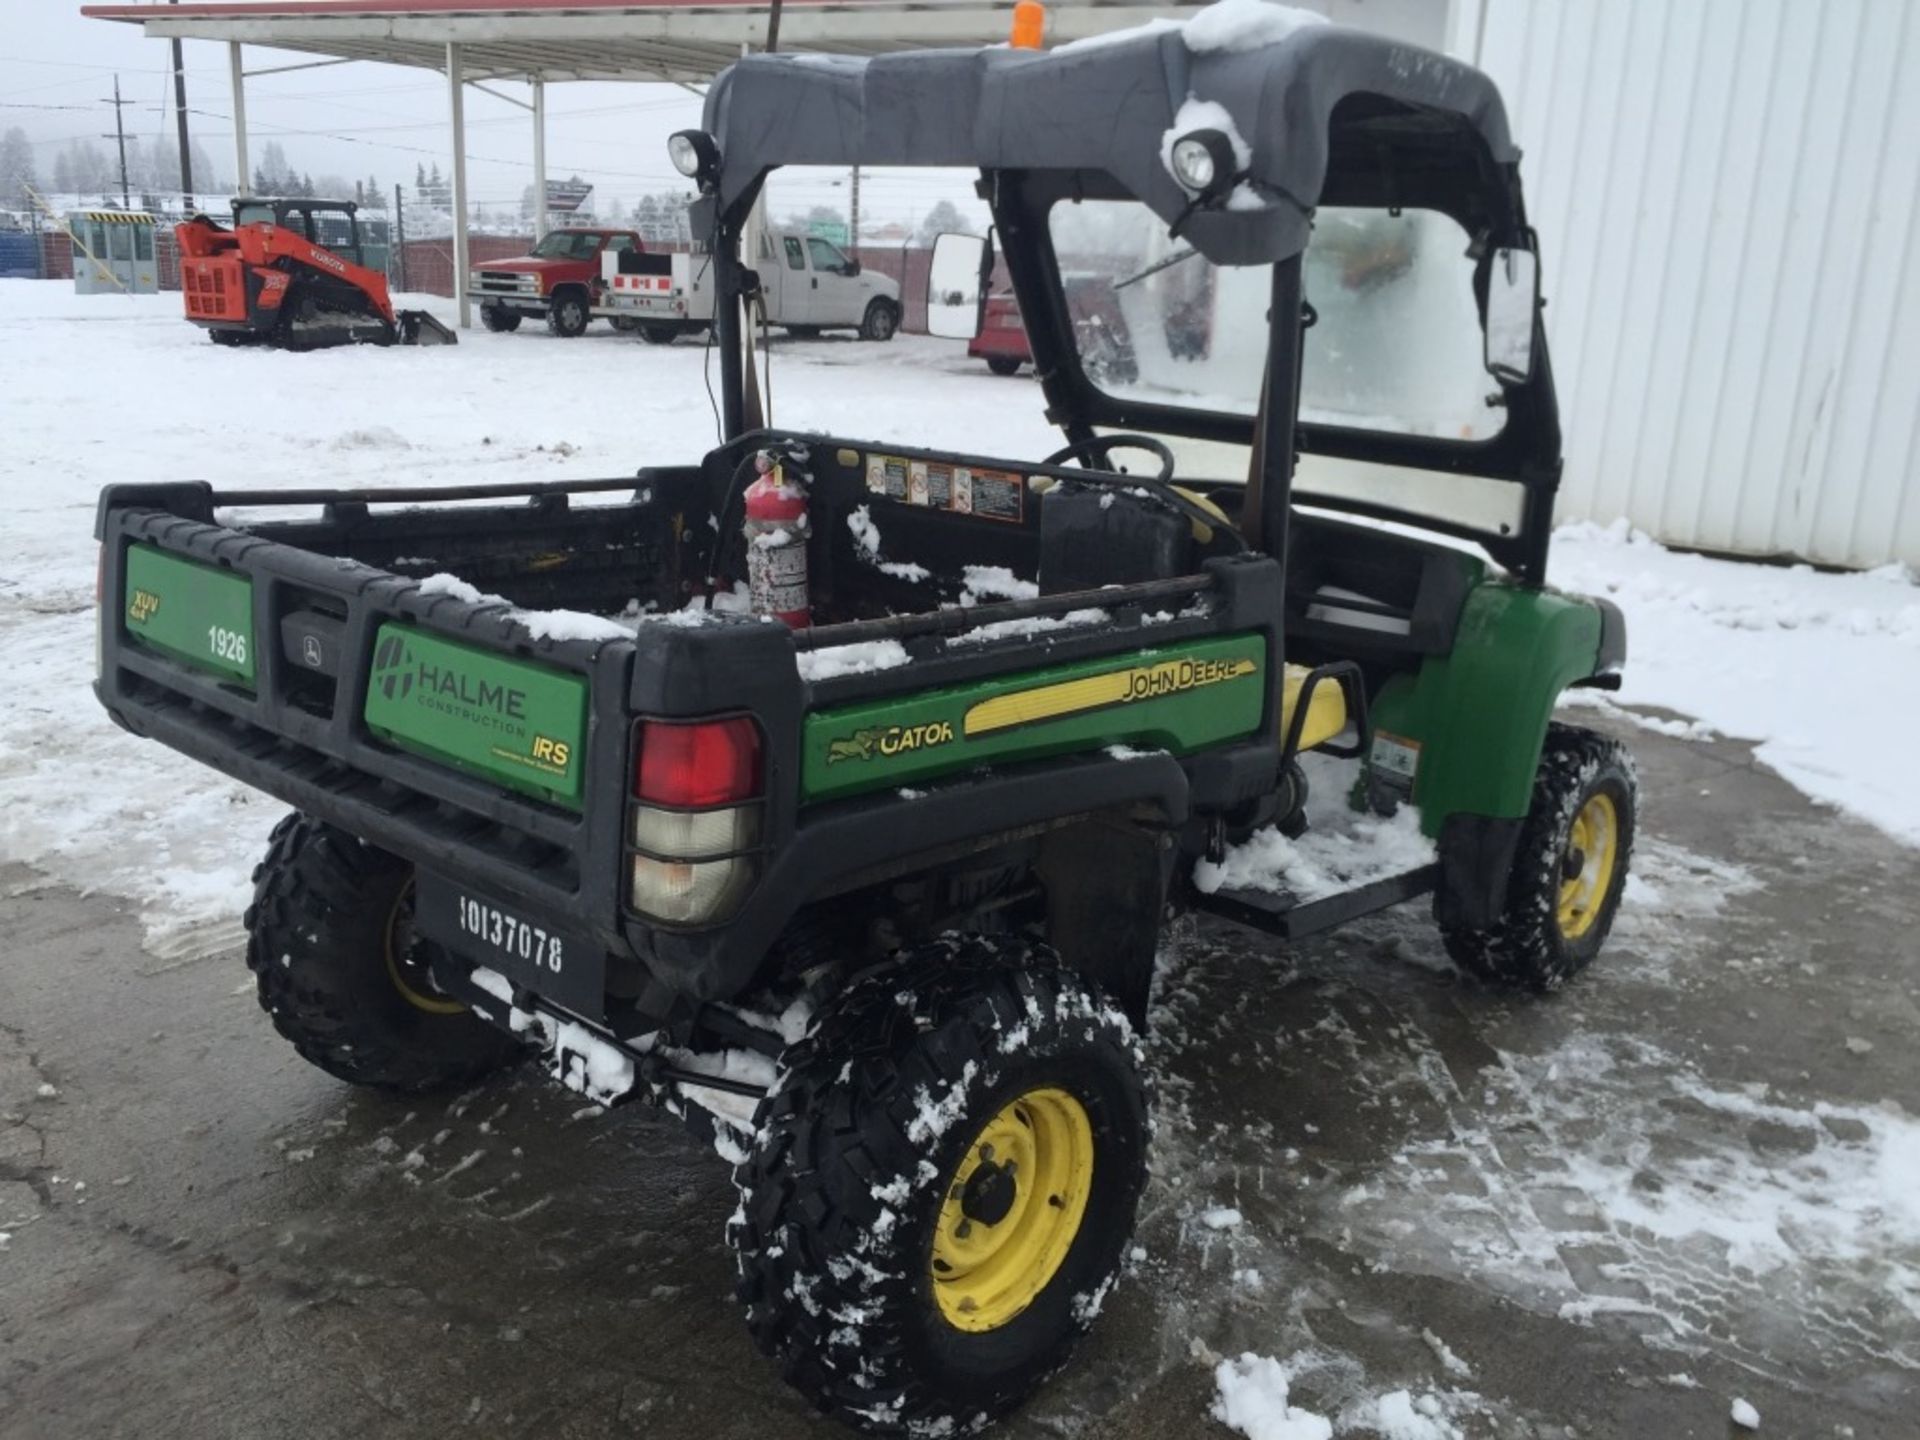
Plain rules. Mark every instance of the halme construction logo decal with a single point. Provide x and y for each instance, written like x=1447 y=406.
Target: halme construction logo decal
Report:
x=484 y=703
x=1044 y=702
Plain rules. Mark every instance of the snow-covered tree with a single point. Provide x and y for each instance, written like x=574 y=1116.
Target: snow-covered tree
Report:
x=16 y=169
x=944 y=217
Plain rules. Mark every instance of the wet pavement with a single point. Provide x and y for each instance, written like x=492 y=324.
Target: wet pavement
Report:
x=1684 y=1179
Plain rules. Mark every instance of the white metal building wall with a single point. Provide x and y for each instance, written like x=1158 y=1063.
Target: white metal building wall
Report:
x=1726 y=197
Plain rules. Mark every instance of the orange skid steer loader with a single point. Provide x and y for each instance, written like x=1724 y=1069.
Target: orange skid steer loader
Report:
x=271 y=281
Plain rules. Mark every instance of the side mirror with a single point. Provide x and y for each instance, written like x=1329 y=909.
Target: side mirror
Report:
x=1513 y=304
x=956 y=285
x=851 y=268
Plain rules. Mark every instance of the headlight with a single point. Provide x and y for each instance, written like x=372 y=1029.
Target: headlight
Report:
x=1202 y=161
x=695 y=155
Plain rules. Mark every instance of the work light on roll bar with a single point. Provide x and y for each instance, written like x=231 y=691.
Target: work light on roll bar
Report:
x=695 y=155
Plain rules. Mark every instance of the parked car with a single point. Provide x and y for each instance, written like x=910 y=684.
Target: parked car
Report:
x=558 y=279
x=1099 y=329
x=809 y=284
x=1002 y=341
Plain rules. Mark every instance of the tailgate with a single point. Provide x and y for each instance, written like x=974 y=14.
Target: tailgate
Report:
x=427 y=723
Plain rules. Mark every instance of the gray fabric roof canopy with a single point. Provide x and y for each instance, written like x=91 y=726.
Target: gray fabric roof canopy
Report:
x=1102 y=105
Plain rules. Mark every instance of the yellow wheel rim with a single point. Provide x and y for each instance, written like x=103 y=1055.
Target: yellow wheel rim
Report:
x=420 y=1000
x=1012 y=1209
x=1587 y=868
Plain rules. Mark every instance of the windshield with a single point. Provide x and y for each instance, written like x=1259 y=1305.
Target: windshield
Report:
x=1395 y=345
x=568 y=245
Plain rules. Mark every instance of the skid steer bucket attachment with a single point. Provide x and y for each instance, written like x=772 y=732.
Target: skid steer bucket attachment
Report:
x=417 y=327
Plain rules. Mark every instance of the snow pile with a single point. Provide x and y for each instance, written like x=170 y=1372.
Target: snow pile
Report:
x=994 y=582
x=1029 y=627
x=866 y=544
x=862 y=658
x=1224 y=27
x=1785 y=657
x=1397 y=1415
x=1744 y=1415
x=571 y=625
x=1443 y=1352
x=541 y=624
x=1704 y=1212
x=1342 y=848
x=1252 y=1395
x=1850 y=1201
x=1227 y=26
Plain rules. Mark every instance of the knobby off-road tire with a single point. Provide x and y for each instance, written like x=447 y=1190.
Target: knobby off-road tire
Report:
x=1569 y=867
x=873 y=1148
x=330 y=944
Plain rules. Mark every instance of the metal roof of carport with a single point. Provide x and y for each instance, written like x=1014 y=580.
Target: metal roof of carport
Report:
x=639 y=40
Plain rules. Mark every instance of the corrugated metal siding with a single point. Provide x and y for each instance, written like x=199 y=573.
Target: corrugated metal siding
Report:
x=1726 y=193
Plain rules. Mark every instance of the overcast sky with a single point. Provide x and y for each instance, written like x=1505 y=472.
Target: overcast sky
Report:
x=356 y=120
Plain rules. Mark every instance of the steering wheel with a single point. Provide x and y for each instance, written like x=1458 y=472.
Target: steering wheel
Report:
x=1100 y=448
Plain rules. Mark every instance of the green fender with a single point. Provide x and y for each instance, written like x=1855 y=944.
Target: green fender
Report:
x=1479 y=715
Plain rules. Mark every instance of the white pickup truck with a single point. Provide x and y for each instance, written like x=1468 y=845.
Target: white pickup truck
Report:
x=810 y=285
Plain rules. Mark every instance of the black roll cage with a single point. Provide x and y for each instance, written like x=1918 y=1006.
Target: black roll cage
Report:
x=297 y=213
x=1375 y=162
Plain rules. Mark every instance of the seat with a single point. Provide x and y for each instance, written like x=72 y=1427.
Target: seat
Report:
x=1326 y=710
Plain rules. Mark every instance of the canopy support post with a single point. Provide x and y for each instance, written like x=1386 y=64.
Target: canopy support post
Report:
x=456 y=102
x=539 y=158
x=243 y=181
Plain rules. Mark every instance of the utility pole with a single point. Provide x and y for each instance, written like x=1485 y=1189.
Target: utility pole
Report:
x=120 y=134
x=853 y=220
x=180 y=124
x=397 y=236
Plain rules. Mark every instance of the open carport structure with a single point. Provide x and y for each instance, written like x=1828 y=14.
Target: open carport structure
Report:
x=472 y=42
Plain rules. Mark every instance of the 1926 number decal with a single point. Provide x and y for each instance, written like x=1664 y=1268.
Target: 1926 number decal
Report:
x=228 y=645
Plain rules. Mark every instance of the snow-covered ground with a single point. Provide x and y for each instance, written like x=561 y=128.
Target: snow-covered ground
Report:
x=1821 y=669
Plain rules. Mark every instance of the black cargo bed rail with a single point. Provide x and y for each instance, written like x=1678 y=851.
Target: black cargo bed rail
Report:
x=421 y=494
x=974 y=617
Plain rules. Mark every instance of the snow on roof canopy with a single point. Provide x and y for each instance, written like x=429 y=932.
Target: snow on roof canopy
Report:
x=1108 y=104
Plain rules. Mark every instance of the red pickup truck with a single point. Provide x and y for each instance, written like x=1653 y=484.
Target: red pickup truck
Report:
x=560 y=279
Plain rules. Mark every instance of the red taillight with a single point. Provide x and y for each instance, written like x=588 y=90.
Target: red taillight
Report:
x=696 y=765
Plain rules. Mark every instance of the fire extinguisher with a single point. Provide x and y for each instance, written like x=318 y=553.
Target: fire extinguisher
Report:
x=776 y=529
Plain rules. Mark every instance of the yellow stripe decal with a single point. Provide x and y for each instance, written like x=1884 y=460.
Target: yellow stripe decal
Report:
x=1094 y=692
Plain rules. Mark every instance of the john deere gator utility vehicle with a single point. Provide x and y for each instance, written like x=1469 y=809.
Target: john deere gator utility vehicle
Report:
x=862 y=878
